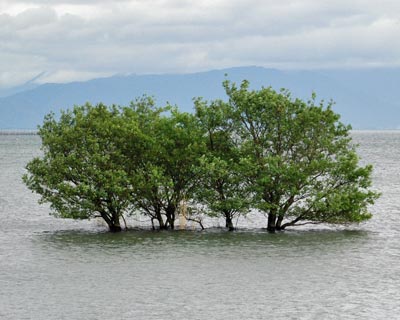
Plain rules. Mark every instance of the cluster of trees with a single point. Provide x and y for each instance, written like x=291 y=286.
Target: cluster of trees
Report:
x=260 y=149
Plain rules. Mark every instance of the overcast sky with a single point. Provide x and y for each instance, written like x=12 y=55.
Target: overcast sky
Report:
x=65 y=40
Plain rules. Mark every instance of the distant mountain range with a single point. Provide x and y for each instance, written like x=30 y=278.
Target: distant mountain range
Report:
x=366 y=98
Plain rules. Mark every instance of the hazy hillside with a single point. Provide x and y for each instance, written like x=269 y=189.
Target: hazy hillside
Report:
x=368 y=99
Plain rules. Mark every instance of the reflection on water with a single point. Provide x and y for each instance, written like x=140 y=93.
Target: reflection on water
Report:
x=211 y=239
x=63 y=269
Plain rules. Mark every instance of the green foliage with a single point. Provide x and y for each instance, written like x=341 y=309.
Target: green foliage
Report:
x=221 y=187
x=299 y=158
x=81 y=173
x=261 y=149
x=167 y=176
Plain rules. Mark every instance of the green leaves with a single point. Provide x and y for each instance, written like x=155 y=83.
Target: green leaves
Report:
x=259 y=149
x=221 y=187
x=81 y=172
x=302 y=160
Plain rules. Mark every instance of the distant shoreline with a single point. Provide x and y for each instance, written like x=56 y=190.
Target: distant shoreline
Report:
x=27 y=132
x=17 y=132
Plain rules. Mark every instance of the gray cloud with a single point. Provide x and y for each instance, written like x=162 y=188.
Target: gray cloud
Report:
x=73 y=40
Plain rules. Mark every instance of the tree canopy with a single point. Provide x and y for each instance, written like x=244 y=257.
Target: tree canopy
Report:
x=290 y=159
x=81 y=173
x=301 y=164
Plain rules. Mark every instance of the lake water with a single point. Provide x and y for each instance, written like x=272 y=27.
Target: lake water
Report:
x=62 y=269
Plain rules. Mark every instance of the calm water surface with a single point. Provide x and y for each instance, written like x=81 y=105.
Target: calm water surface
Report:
x=61 y=269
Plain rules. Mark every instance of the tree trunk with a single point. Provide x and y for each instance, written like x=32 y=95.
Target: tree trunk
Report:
x=161 y=222
x=170 y=213
x=112 y=221
x=171 y=221
x=115 y=228
x=115 y=225
x=279 y=223
x=123 y=219
x=271 y=222
x=228 y=222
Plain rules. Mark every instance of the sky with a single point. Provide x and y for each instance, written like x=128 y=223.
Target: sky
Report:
x=70 y=40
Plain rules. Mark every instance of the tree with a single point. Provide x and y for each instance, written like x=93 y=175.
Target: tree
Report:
x=292 y=160
x=300 y=164
x=220 y=186
x=144 y=176
x=166 y=176
x=81 y=173
x=110 y=161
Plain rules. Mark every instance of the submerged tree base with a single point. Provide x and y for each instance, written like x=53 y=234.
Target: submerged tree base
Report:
x=115 y=228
